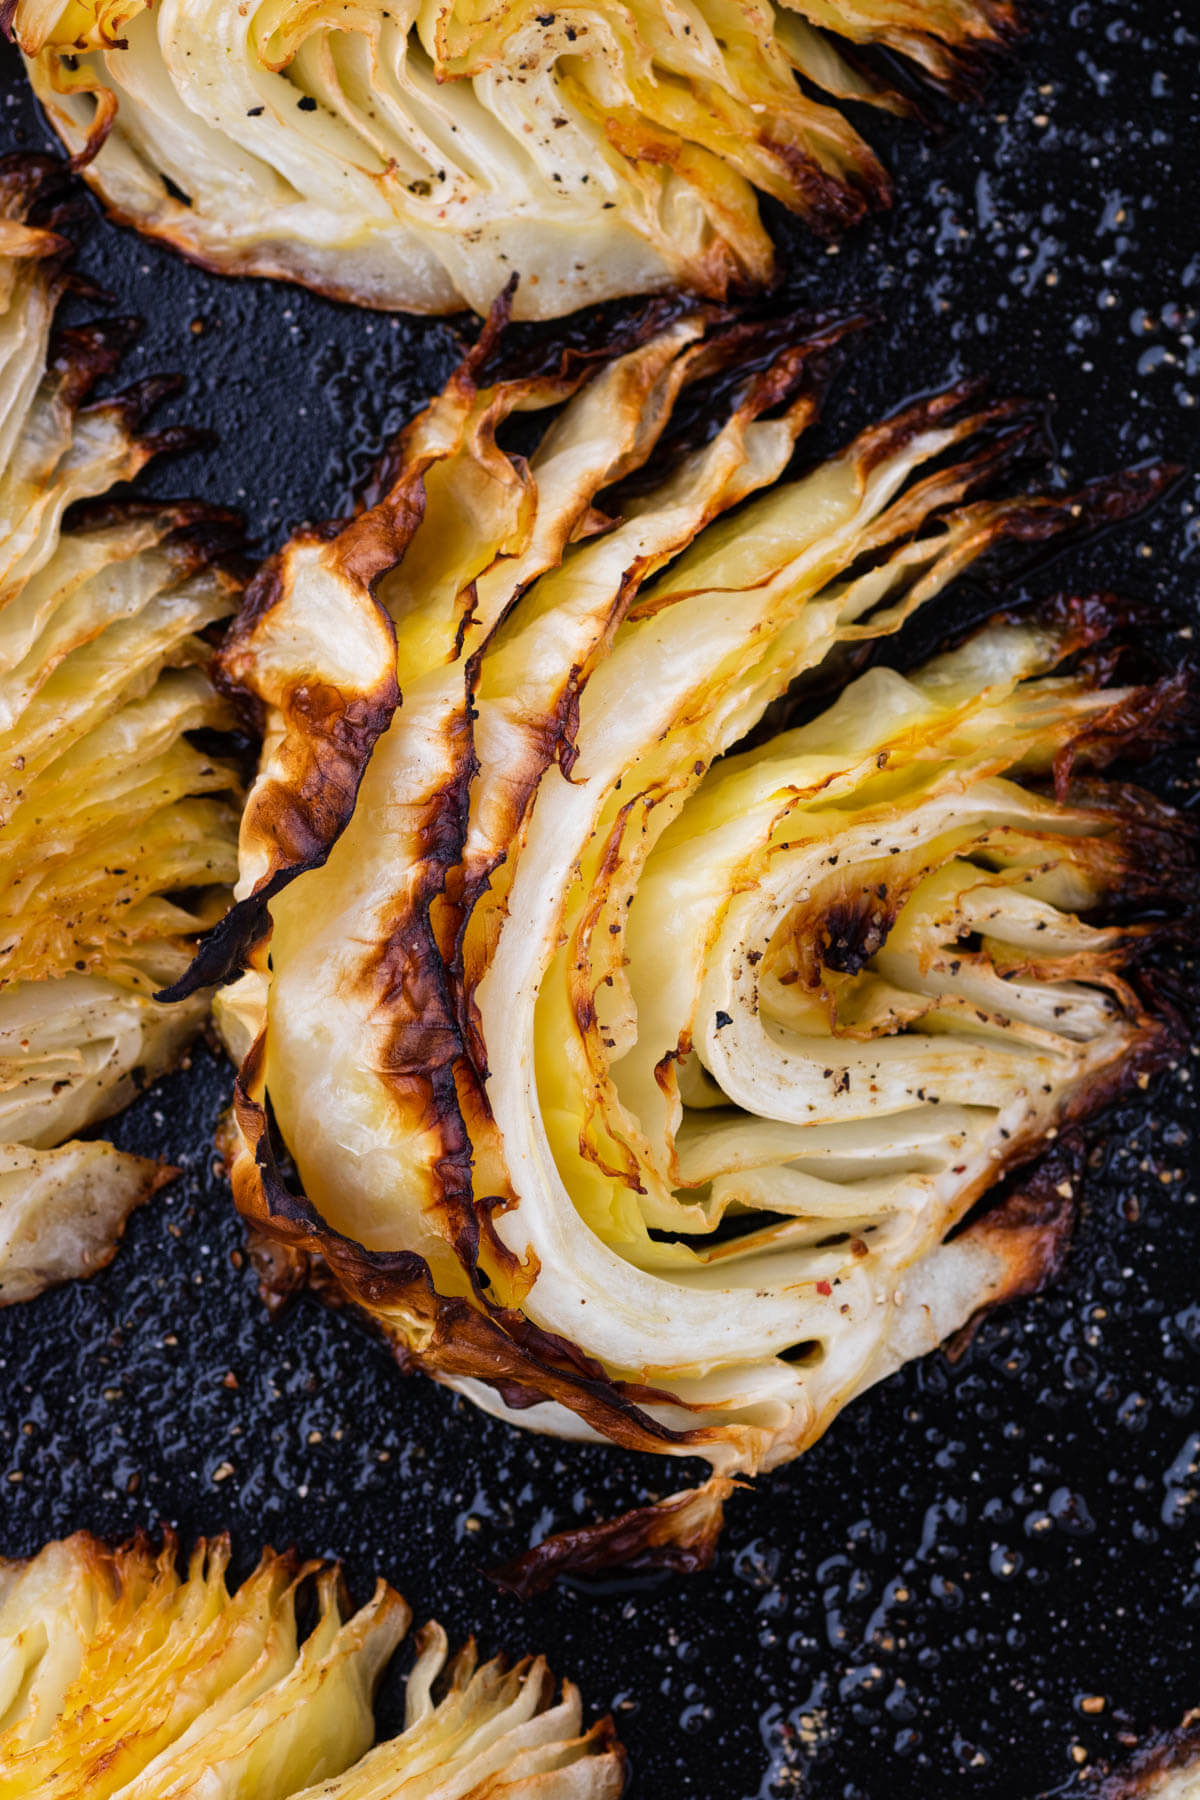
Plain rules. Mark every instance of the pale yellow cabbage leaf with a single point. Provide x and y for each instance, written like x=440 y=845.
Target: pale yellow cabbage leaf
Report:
x=417 y=157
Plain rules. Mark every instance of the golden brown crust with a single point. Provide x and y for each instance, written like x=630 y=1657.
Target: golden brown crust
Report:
x=128 y=1672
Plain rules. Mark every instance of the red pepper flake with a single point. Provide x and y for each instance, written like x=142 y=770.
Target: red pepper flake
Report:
x=823 y=1287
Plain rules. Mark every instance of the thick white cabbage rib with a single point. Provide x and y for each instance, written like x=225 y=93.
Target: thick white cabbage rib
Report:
x=636 y=1085
x=417 y=157
x=108 y=811
x=120 y=1680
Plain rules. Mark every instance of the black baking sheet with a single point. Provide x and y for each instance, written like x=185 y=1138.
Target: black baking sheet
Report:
x=920 y=1606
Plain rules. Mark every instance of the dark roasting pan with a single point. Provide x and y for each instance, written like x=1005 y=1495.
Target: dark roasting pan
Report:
x=937 y=1598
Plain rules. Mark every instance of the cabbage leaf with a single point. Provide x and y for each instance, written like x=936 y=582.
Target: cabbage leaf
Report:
x=117 y=831
x=417 y=157
x=639 y=1086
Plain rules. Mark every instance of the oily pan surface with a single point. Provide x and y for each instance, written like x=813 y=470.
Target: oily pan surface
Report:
x=921 y=1605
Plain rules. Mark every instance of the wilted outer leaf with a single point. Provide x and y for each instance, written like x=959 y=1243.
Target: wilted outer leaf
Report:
x=416 y=157
x=634 y=1087
x=121 y=1681
x=108 y=811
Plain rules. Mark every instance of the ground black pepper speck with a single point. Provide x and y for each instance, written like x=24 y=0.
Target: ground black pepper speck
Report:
x=935 y=1599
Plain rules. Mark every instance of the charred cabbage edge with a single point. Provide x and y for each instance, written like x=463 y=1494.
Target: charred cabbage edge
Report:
x=417 y=157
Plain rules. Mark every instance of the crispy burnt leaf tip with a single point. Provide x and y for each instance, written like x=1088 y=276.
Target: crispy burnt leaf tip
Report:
x=1164 y=1767
x=117 y=833
x=679 y=1533
x=406 y=157
x=120 y=1679
x=635 y=1084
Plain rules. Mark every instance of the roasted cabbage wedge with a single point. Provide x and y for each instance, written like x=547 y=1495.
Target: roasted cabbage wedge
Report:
x=415 y=158
x=122 y=1680
x=117 y=833
x=636 y=1086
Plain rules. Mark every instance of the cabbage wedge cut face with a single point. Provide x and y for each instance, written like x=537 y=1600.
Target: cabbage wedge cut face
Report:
x=122 y=1680
x=109 y=813
x=416 y=158
x=634 y=1087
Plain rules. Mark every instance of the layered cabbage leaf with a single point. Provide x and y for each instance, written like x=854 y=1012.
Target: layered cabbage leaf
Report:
x=120 y=1679
x=117 y=829
x=637 y=1085
x=418 y=157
